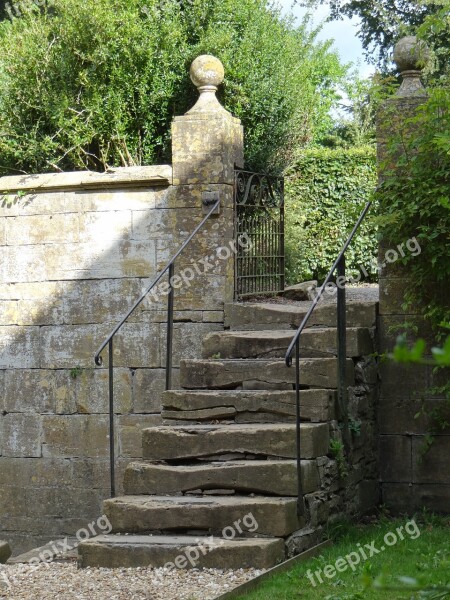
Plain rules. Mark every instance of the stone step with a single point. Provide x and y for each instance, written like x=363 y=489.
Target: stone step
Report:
x=197 y=441
x=315 y=342
x=251 y=316
x=180 y=551
x=247 y=406
x=260 y=374
x=259 y=515
x=276 y=477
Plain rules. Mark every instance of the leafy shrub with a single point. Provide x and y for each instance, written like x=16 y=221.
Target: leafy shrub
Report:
x=326 y=190
x=96 y=83
x=415 y=201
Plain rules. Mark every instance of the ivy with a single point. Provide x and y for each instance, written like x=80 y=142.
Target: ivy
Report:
x=415 y=202
x=326 y=190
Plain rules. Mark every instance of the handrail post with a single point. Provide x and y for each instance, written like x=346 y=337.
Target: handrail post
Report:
x=342 y=346
x=169 y=343
x=111 y=420
x=300 y=504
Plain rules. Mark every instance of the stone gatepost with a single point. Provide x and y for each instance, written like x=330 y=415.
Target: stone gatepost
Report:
x=207 y=145
x=408 y=481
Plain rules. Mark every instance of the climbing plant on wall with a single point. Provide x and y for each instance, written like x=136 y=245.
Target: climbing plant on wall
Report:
x=326 y=189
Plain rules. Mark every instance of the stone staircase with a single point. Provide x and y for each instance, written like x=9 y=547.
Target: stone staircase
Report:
x=217 y=483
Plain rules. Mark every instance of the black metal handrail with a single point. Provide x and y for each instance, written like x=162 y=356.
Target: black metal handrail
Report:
x=338 y=264
x=169 y=268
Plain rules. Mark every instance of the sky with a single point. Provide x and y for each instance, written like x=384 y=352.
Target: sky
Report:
x=342 y=32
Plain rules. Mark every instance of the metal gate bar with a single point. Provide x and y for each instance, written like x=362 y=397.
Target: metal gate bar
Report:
x=259 y=234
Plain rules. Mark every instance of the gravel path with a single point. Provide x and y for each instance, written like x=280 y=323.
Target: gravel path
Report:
x=63 y=581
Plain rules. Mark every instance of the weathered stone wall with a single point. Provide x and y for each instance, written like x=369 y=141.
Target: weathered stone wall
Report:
x=410 y=479
x=77 y=250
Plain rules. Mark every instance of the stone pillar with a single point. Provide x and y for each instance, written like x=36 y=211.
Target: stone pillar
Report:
x=408 y=481
x=207 y=145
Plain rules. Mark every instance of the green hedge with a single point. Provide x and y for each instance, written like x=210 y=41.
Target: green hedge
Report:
x=325 y=191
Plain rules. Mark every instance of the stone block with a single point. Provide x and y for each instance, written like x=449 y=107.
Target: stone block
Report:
x=187 y=340
x=117 y=551
x=32 y=312
x=148 y=385
x=137 y=346
x=401 y=498
x=102 y=225
x=42 y=290
x=42 y=229
x=213 y=316
x=214 y=374
x=68 y=346
x=19 y=347
x=395 y=456
x=392 y=296
x=431 y=466
x=130 y=431
x=69 y=436
x=275 y=517
x=368 y=492
x=36 y=472
x=29 y=391
x=398 y=415
x=403 y=381
x=21 y=435
x=107 y=259
x=244 y=476
x=315 y=405
x=96 y=301
x=64 y=503
x=86 y=391
x=315 y=342
x=25 y=264
x=5 y=551
x=276 y=440
x=13 y=503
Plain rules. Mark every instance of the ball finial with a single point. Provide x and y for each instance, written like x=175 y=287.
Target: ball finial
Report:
x=410 y=54
x=206 y=71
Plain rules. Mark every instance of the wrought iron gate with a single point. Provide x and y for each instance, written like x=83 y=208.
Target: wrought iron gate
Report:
x=259 y=234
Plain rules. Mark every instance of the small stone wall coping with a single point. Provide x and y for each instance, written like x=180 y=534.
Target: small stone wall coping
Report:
x=159 y=175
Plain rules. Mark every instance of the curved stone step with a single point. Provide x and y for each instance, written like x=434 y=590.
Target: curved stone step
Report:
x=196 y=441
x=260 y=374
x=315 y=342
x=254 y=315
x=248 y=406
x=180 y=551
x=259 y=515
x=275 y=477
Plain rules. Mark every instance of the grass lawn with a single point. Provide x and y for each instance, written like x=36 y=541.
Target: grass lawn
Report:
x=423 y=555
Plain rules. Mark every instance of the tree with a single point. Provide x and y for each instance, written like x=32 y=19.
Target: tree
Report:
x=96 y=83
x=383 y=22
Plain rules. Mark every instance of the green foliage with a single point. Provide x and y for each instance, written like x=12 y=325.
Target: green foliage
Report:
x=337 y=452
x=417 y=354
x=383 y=22
x=75 y=372
x=415 y=201
x=326 y=190
x=96 y=83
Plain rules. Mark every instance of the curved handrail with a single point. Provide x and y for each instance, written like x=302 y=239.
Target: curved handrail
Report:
x=288 y=356
x=338 y=264
x=109 y=340
x=97 y=357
